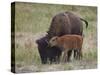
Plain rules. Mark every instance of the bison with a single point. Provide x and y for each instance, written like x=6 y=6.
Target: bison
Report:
x=66 y=23
x=61 y=24
x=46 y=53
x=68 y=43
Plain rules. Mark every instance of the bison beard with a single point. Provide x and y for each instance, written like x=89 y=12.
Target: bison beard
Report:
x=62 y=24
x=47 y=53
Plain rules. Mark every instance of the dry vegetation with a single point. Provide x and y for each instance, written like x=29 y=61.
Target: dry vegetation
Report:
x=33 y=20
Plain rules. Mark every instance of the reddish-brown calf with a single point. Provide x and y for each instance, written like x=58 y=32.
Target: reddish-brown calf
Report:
x=67 y=43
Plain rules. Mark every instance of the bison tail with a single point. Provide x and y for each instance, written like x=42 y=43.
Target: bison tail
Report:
x=85 y=22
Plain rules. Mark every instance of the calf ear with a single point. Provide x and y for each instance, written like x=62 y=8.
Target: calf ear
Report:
x=56 y=37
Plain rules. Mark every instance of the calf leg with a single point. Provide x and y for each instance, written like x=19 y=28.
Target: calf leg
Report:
x=64 y=57
x=75 y=53
x=80 y=54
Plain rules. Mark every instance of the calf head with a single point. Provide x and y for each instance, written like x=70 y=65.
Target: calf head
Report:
x=53 y=41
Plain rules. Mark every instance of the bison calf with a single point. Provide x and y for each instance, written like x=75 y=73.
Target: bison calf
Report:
x=68 y=43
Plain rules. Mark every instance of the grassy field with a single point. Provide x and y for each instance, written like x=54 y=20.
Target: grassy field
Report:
x=33 y=20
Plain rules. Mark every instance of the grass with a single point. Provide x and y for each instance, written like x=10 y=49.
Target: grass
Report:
x=90 y=55
x=30 y=15
x=32 y=19
x=27 y=55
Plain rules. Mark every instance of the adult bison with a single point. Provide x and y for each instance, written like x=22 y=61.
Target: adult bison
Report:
x=66 y=23
x=61 y=24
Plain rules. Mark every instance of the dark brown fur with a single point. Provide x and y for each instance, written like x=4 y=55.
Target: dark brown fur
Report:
x=66 y=23
x=46 y=53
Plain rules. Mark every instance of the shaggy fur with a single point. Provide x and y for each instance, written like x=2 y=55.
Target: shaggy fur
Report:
x=66 y=23
x=48 y=54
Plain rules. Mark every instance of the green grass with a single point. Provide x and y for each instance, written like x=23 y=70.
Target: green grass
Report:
x=40 y=16
x=35 y=18
x=27 y=55
x=90 y=55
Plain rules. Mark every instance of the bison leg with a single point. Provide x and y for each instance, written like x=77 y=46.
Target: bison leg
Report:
x=43 y=57
x=80 y=54
x=76 y=53
x=69 y=55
